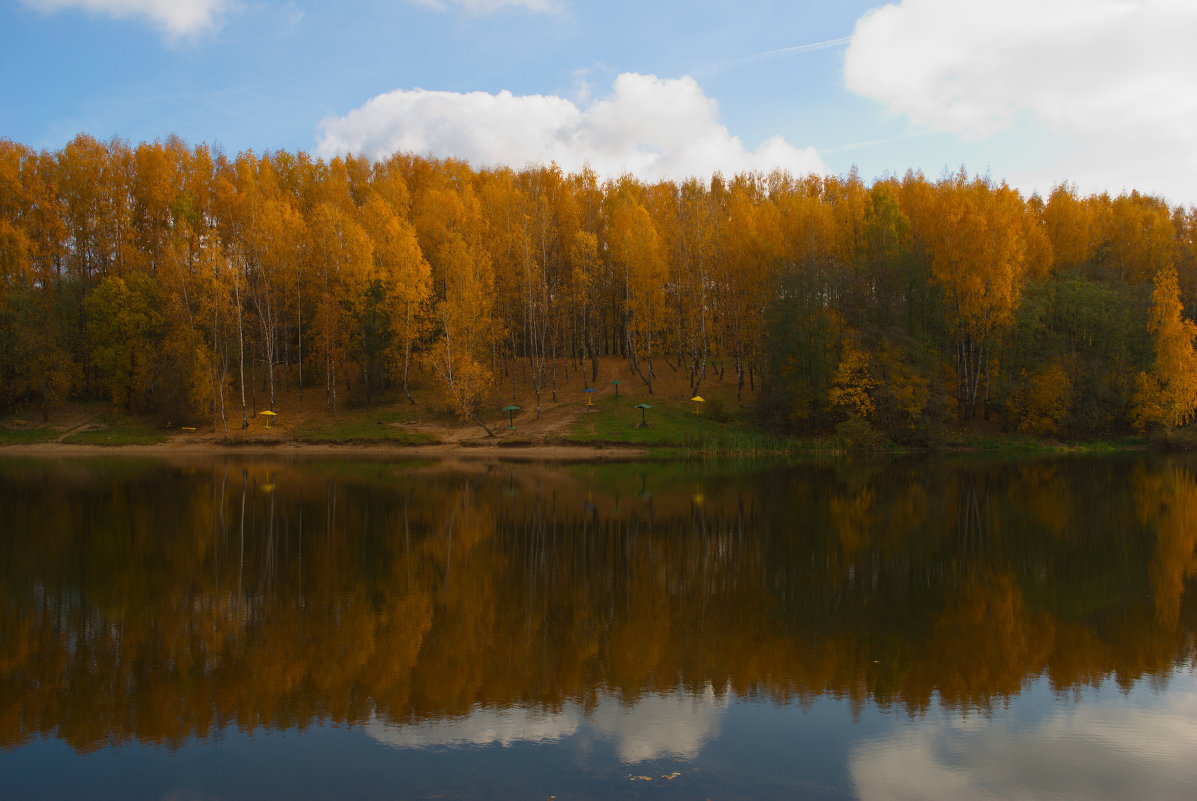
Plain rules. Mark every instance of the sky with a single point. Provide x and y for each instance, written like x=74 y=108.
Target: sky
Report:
x=1101 y=94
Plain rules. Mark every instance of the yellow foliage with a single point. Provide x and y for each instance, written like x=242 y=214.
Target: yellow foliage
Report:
x=1071 y=227
x=1166 y=396
x=1046 y=400
x=909 y=389
x=852 y=387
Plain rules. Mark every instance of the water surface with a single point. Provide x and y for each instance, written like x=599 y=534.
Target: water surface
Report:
x=920 y=628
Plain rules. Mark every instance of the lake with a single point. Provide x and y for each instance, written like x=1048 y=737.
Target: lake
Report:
x=916 y=628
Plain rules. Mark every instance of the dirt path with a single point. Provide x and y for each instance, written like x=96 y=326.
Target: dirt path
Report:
x=554 y=420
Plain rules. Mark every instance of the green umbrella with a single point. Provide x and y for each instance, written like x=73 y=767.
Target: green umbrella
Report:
x=616 y=382
x=510 y=410
x=642 y=407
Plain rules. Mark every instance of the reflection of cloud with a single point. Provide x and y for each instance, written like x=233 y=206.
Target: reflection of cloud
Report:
x=1097 y=751
x=480 y=727
x=661 y=725
x=655 y=726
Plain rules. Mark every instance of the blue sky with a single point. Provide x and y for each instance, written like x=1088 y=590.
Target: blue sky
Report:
x=1097 y=92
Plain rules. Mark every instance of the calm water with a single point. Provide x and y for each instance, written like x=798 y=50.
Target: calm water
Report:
x=916 y=629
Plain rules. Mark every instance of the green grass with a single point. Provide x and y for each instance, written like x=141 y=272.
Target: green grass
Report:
x=26 y=436
x=369 y=426
x=614 y=420
x=673 y=425
x=674 y=431
x=112 y=429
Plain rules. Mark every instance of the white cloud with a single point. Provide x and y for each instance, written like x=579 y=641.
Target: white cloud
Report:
x=1109 y=80
x=177 y=18
x=491 y=6
x=1100 y=751
x=651 y=127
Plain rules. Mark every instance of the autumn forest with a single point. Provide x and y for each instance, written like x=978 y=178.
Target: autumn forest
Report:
x=178 y=282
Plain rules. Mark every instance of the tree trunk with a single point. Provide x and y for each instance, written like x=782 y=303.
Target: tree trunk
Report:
x=407 y=338
x=241 y=352
x=478 y=420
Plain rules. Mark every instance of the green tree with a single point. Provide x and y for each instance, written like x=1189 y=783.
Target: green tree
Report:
x=125 y=326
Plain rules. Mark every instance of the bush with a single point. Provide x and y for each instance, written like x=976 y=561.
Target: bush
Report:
x=858 y=434
x=1172 y=439
x=717 y=411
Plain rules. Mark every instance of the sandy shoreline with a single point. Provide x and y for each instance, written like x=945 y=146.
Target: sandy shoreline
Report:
x=532 y=453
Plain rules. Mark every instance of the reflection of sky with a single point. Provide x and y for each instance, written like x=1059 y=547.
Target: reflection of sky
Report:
x=1110 y=746
x=655 y=726
x=1099 y=745
x=1102 y=745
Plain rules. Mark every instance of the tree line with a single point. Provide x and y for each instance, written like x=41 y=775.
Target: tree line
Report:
x=176 y=280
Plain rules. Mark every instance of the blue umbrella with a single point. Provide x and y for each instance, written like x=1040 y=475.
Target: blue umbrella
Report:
x=589 y=392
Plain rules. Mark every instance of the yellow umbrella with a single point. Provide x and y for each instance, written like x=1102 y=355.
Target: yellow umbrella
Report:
x=269 y=415
x=698 y=399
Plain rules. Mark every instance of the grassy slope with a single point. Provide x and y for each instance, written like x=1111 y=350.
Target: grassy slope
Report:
x=674 y=423
x=724 y=426
x=18 y=433
x=362 y=426
x=117 y=429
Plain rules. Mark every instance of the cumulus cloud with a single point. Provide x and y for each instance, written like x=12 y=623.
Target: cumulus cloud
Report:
x=1110 y=79
x=177 y=18
x=1109 y=751
x=651 y=127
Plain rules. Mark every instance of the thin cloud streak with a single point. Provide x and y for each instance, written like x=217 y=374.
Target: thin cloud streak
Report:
x=850 y=146
x=765 y=55
x=805 y=48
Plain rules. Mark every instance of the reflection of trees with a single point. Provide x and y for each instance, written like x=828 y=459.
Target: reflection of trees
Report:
x=1168 y=500
x=270 y=594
